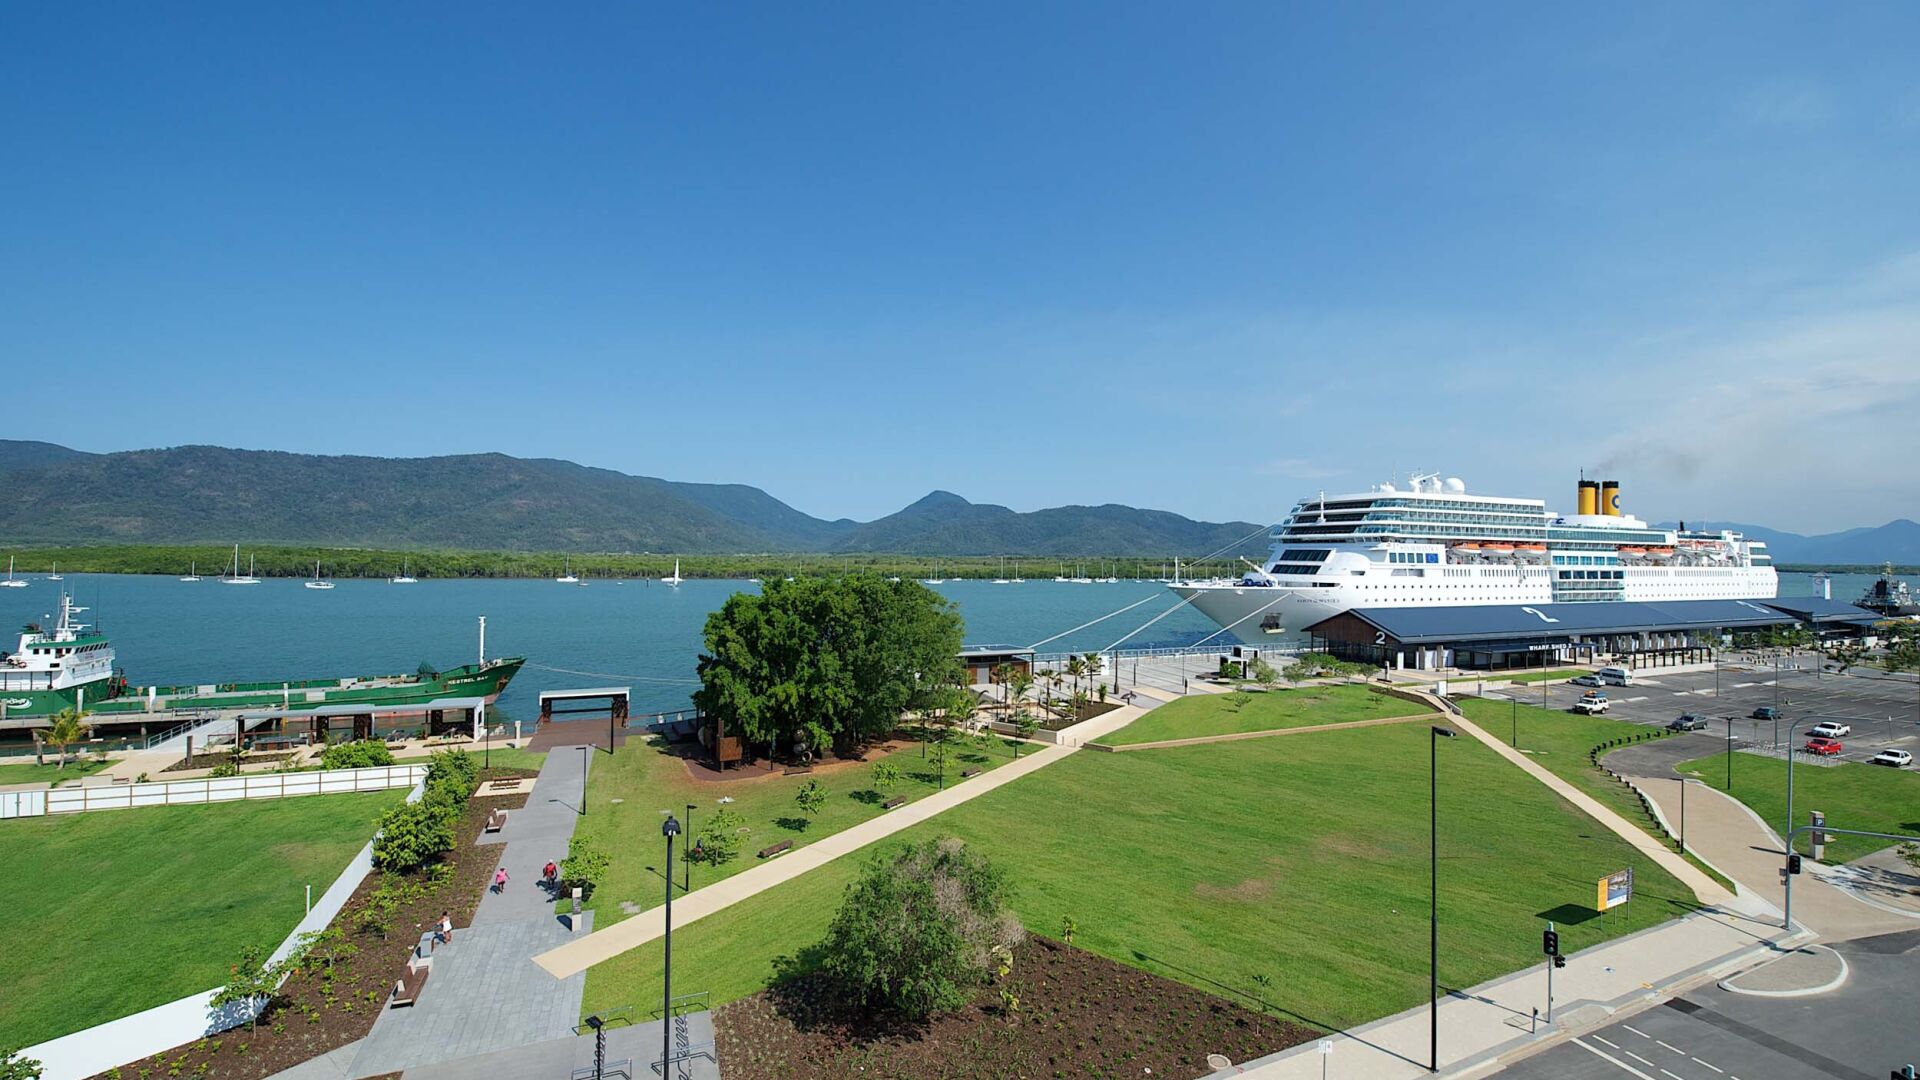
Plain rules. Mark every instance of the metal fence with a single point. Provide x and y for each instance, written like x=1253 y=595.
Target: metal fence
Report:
x=75 y=800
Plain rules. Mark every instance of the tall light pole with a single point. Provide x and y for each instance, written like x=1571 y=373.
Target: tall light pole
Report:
x=688 y=858
x=669 y=829
x=1433 y=894
x=1729 y=755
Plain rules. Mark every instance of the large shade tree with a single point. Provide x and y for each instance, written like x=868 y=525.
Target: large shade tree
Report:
x=841 y=657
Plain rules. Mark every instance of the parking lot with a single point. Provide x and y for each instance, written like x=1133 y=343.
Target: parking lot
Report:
x=1884 y=711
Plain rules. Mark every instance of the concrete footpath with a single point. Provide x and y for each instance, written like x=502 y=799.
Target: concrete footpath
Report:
x=1484 y=1025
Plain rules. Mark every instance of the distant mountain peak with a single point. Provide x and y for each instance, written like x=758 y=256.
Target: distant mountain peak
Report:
x=934 y=500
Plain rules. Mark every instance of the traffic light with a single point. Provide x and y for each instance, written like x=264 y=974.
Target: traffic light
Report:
x=1559 y=961
x=1793 y=864
x=1550 y=942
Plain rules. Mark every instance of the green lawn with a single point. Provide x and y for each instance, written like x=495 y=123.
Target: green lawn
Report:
x=1302 y=860
x=1853 y=796
x=1197 y=715
x=647 y=781
x=111 y=912
x=51 y=773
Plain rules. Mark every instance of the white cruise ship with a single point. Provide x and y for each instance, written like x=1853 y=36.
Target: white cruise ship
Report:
x=1430 y=542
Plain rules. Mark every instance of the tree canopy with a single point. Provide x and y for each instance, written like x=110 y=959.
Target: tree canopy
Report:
x=841 y=656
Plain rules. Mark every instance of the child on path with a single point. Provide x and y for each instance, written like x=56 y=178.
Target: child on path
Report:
x=500 y=880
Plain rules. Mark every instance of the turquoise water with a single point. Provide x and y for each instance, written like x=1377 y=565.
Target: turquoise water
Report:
x=641 y=634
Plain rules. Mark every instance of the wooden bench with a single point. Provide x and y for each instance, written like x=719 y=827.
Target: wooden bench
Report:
x=967 y=773
x=496 y=820
x=406 y=990
x=894 y=803
x=505 y=783
x=770 y=852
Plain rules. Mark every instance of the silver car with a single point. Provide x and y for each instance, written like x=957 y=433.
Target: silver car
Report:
x=1899 y=759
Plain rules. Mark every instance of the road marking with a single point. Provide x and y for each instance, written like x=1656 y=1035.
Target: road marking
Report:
x=1631 y=700
x=1615 y=1045
x=1636 y=1031
x=1743 y=685
x=1670 y=1046
x=1676 y=1076
x=1711 y=1065
x=1640 y=1059
x=1603 y=1055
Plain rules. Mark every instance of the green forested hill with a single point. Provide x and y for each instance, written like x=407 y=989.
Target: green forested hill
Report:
x=482 y=502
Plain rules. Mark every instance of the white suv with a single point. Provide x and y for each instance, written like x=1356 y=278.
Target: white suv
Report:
x=1899 y=759
x=1827 y=729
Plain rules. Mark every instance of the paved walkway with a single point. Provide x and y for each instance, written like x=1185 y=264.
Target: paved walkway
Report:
x=1493 y=1021
x=556 y=1059
x=485 y=995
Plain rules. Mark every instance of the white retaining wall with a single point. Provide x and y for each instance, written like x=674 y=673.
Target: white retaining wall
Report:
x=73 y=800
x=163 y=1027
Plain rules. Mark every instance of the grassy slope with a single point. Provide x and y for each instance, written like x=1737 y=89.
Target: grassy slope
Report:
x=50 y=773
x=1270 y=710
x=1300 y=859
x=1853 y=796
x=111 y=912
x=649 y=781
x=1559 y=741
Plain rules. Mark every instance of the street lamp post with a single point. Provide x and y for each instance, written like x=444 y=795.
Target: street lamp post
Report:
x=584 y=751
x=669 y=829
x=688 y=857
x=1433 y=894
x=1729 y=755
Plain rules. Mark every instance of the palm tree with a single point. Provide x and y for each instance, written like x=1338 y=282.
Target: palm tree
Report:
x=1018 y=683
x=1003 y=674
x=961 y=708
x=1076 y=667
x=69 y=726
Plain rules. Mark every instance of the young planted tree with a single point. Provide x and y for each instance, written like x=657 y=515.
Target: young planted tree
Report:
x=720 y=837
x=69 y=726
x=585 y=865
x=252 y=982
x=1024 y=725
x=918 y=933
x=811 y=798
x=886 y=775
x=1264 y=674
x=938 y=756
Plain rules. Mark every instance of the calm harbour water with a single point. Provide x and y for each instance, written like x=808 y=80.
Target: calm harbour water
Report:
x=642 y=634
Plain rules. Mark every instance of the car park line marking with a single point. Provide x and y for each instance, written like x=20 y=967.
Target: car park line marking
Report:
x=1711 y=1065
x=1599 y=1038
x=1631 y=700
x=1671 y=1047
x=1640 y=1059
x=1676 y=1076
x=1602 y=1054
x=1636 y=1031
x=1743 y=685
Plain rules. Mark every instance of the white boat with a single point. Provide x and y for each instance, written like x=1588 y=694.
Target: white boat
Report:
x=55 y=575
x=318 y=582
x=1432 y=543
x=236 y=579
x=12 y=582
x=406 y=575
x=936 y=579
x=674 y=578
x=193 y=572
x=567 y=578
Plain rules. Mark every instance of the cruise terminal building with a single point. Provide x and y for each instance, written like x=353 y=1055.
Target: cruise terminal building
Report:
x=1641 y=634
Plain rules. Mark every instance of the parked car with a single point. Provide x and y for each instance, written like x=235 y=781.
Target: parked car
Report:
x=1688 y=722
x=1828 y=729
x=1585 y=680
x=1823 y=747
x=1899 y=759
x=1592 y=705
x=1767 y=712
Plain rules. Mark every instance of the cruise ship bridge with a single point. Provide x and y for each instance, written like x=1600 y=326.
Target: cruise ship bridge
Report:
x=1501 y=636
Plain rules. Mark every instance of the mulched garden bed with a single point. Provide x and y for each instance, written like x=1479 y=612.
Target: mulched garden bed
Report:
x=316 y=1014
x=208 y=761
x=1079 y=1015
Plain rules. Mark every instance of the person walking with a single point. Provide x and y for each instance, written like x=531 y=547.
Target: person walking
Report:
x=552 y=875
x=500 y=880
x=442 y=931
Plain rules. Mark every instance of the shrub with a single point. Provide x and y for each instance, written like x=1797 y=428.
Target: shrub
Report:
x=365 y=754
x=224 y=769
x=810 y=798
x=252 y=979
x=412 y=835
x=15 y=1065
x=585 y=865
x=917 y=933
x=456 y=764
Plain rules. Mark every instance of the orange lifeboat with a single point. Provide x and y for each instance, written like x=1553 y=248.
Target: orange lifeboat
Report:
x=1532 y=547
x=1633 y=551
x=1659 y=551
x=1500 y=547
x=1468 y=546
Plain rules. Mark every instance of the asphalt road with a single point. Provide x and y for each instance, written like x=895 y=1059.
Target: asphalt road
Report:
x=1861 y=1031
x=1884 y=713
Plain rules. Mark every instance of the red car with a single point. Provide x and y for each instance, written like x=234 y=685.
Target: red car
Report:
x=1823 y=747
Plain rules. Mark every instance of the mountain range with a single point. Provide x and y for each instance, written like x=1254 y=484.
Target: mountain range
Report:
x=198 y=494
x=1897 y=542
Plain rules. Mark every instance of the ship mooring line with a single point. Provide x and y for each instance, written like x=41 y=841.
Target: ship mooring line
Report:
x=1150 y=622
x=614 y=675
x=1084 y=625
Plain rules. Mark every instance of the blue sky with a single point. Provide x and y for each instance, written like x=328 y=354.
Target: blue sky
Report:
x=1201 y=257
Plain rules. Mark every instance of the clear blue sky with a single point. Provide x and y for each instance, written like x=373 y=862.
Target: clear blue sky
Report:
x=1201 y=257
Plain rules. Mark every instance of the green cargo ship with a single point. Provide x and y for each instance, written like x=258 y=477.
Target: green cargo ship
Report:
x=71 y=666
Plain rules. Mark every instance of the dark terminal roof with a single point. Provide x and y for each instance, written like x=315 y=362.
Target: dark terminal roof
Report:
x=1817 y=610
x=1494 y=622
